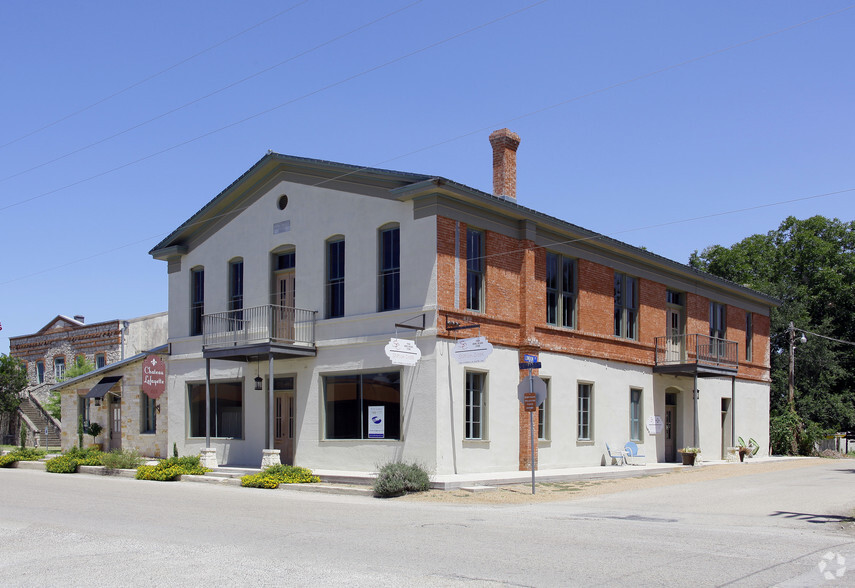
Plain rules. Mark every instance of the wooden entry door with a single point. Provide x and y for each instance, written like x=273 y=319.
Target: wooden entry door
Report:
x=674 y=349
x=285 y=299
x=283 y=425
x=670 y=433
x=115 y=411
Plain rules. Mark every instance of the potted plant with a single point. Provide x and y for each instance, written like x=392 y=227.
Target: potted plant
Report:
x=95 y=430
x=690 y=454
x=750 y=449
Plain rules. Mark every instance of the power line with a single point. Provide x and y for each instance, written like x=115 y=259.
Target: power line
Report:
x=210 y=94
x=521 y=250
x=151 y=77
x=643 y=76
x=278 y=106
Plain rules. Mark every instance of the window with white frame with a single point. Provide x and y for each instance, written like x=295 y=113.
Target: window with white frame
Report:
x=635 y=414
x=148 y=415
x=475 y=405
x=40 y=372
x=335 y=277
x=389 y=270
x=58 y=368
x=543 y=414
x=626 y=306
x=584 y=411
x=226 y=409
x=474 y=270
x=100 y=360
x=362 y=406
x=560 y=290
x=718 y=320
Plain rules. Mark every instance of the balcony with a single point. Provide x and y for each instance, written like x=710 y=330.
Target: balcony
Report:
x=696 y=354
x=259 y=332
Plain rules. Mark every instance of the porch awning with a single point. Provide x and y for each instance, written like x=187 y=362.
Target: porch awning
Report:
x=102 y=387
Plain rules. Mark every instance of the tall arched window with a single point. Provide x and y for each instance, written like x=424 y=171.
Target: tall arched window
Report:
x=389 y=268
x=335 y=277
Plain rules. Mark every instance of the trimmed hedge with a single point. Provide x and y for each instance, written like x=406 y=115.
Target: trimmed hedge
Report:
x=25 y=454
x=168 y=470
x=398 y=478
x=68 y=462
x=279 y=474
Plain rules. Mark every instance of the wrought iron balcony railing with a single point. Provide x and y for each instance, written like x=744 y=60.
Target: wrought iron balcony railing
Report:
x=697 y=349
x=259 y=324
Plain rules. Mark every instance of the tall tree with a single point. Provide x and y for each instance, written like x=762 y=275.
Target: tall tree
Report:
x=13 y=379
x=810 y=266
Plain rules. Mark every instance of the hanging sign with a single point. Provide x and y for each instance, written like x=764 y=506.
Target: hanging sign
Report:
x=153 y=376
x=654 y=424
x=403 y=352
x=472 y=350
x=376 y=424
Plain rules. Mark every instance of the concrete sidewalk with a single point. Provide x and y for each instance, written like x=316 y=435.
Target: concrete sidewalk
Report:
x=452 y=481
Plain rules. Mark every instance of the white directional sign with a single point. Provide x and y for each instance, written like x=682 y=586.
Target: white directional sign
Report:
x=532 y=385
x=403 y=352
x=654 y=424
x=472 y=350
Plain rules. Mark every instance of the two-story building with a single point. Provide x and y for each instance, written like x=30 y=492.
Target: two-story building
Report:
x=290 y=293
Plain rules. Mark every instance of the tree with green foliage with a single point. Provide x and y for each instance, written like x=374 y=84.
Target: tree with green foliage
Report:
x=810 y=266
x=80 y=366
x=54 y=402
x=13 y=379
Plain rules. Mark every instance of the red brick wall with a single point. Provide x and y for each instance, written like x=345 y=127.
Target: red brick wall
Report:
x=515 y=310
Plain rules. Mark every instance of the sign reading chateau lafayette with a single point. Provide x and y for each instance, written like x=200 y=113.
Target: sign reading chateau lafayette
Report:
x=153 y=376
x=472 y=350
x=403 y=352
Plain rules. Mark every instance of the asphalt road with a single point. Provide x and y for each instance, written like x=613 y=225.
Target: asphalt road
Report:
x=775 y=528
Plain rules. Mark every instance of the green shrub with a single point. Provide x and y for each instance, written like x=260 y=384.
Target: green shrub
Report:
x=68 y=462
x=121 y=459
x=26 y=454
x=169 y=469
x=398 y=478
x=279 y=474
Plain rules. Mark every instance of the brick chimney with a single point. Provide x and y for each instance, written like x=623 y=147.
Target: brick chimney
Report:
x=505 y=143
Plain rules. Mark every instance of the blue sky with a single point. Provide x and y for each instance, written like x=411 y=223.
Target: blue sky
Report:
x=641 y=120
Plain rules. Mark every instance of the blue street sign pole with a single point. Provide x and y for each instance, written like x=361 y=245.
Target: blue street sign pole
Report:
x=531 y=427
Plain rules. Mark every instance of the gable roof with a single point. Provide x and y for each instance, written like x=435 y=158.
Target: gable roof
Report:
x=406 y=186
x=244 y=190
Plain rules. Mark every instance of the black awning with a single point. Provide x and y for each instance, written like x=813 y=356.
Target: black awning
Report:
x=102 y=387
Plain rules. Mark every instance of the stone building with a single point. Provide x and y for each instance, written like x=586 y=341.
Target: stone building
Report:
x=322 y=313
x=54 y=348
x=114 y=397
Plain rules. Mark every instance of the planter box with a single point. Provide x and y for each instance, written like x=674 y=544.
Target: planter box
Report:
x=689 y=458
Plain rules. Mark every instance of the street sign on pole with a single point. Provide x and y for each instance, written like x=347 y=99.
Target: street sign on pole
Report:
x=532 y=385
x=530 y=366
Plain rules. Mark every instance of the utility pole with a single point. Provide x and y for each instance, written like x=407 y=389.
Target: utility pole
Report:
x=791 y=375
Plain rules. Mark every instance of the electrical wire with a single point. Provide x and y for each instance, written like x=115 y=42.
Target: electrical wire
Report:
x=563 y=102
x=279 y=106
x=210 y=94
x=152 y=76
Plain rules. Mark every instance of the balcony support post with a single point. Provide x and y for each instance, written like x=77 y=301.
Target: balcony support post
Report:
x=733 y=411
x=695 y=394
x=207 y=403
x=270 y=401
